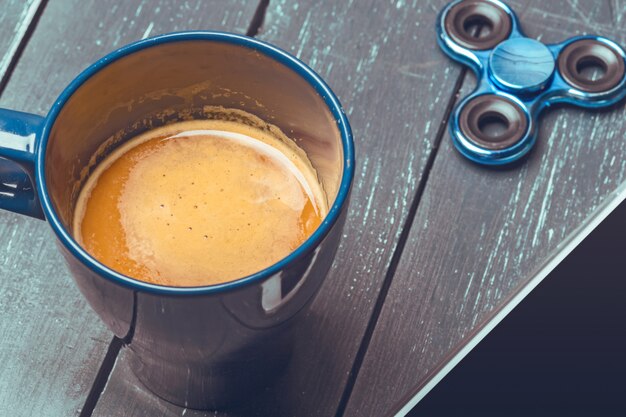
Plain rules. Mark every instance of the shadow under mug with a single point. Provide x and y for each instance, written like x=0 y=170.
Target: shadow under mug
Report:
x=198 y=347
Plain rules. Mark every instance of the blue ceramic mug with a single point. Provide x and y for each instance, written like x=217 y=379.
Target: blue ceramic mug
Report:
x=199 y=347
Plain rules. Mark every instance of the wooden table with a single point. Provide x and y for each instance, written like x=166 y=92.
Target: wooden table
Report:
x=434 y=245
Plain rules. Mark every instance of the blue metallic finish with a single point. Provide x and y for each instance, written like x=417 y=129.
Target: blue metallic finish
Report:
x=17 y=164
x=519 y=69
x=521 y=65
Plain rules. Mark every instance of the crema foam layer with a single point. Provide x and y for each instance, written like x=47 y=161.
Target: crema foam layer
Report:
x=199 y=203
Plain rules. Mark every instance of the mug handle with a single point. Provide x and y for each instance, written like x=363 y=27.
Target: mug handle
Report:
x=18 y=138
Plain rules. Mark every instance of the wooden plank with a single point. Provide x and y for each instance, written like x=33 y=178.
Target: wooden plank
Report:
x=395 y=93
x=480 y=233
x=16 y=17
x=52 y=343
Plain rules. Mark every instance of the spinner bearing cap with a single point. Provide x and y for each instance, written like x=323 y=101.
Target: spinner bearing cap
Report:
x=477 y=25
x=584 y=54
x=493 y=122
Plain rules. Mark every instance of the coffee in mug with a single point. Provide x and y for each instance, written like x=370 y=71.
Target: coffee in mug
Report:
x=200 y=202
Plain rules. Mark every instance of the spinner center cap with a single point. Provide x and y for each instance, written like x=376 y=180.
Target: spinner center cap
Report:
x=521 y=65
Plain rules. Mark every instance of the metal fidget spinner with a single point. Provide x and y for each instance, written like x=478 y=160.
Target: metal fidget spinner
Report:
x=518 y=77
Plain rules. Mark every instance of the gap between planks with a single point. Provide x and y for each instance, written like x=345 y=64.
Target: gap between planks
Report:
x=258 y=19
x=395 y=259
x=21 y=45
x=404 y=234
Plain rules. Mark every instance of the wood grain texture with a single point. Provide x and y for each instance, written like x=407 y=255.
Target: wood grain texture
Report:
x=479 y=233
x=16 y=16
x=51 y=342
x=395 y=92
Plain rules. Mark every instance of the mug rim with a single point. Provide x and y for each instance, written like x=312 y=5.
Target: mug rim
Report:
x=273 y=52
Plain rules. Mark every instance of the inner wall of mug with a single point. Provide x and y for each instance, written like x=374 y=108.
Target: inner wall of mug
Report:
x=156 y=85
